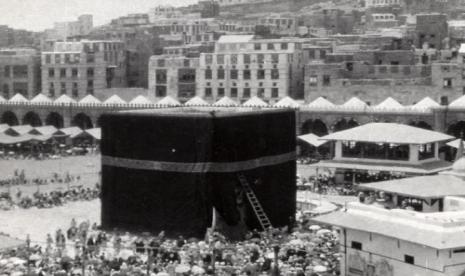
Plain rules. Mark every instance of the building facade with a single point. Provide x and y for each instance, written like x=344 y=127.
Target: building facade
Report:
x=242 y=67
x=80 y=68
x=63 y=30
x=19 y=72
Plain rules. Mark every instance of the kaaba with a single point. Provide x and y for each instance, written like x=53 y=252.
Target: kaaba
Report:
x=167 y=169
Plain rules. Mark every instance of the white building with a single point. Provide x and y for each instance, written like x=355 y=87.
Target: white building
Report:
x=391 y=242
x=63 y=30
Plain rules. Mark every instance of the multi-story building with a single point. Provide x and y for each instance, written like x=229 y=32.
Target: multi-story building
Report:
x=163 y=12
x=173 y=75
x=280 y=25
x=19 y=72
x=134 y=19
x=63 y=30
x=80 y=68
x=242 y=67
x=430 y=30
x=223 y=3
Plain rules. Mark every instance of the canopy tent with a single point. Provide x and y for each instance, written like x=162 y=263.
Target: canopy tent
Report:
x=355 y=102
x=389 y=103
x=41 y=98
x=43 y=130
x=4 y=127
x=8 y=140
x=18 y=98
x=287 y=102
x=431 y=186
x=89 y=99
x=196 y=101
x=65 y=99
x=95 y=133
x=455 y=143
x=70 y=132
x=2 y=99
x=426 y=102
x=312 y=139
x=320 y=102
x=18 y=130
x=115 y=99
x=388 y=133
x=140 y=100
x=225 y=101
x=460 y=102
x=169 y=101
x=385 y=166
x=255 y=102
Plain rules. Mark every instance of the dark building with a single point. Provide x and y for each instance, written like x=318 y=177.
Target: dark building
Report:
x=165 y=170
x=209 y=9
x=431 y=29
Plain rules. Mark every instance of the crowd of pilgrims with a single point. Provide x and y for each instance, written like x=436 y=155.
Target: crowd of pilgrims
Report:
x=46 y=151
x=20 y=178
x=305 y=250
x=325 y=183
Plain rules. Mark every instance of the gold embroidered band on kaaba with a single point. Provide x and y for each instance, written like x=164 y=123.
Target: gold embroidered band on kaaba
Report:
x=199 y=167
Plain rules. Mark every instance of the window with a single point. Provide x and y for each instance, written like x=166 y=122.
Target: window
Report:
x=447 y=83
x=160 y=91
x=62 y=73
x=274 y=92
x=51 y=90
x=90 y=87
x=326 y=80
x=246 y=74
x=313 y=80
x=6 y=71
x=270 y=46
x=283 y=46
x=220 y=59
x=233 y=59
x=220 y=74
x=75 y=90
x=187 y=63
x=246 y=93
x=90 y=58
x=426 y=151
x=63 y=88
x=234 y=74
x=90 y=72
x=409 y=259
x=274 y=74
x=208 y=74
x=48 y=59
x=208 y=59
x=67 y=58
x=74 y=72
x=6 y=90
x=234 y=92
x=257 y=46
x=261 y=92
x=247 y=59
x=161 y=62
x=208 y=92
x=220 y=92
x=260 y=58
x=160 y=75
x=261 y=74
x=51 y=73
x=275 y=58
x=57 y=58
x=356 y=245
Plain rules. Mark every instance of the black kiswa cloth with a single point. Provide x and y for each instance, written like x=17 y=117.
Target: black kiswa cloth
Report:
x=165 y=171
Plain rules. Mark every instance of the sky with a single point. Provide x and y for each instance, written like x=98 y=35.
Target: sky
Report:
x=37 y=15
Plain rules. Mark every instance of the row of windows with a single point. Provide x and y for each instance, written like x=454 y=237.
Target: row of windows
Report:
x=74 y=88
x=68 y=58
x=256 y=46
x=407 y=258
x=17 y=71
x=246 y=74
x=246 y=92
x=162 y=62
x=384 y=17
x=245 y=58
x=17 y=87
x=63 y=72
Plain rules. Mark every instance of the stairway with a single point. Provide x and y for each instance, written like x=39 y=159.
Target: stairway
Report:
x=257 y=207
